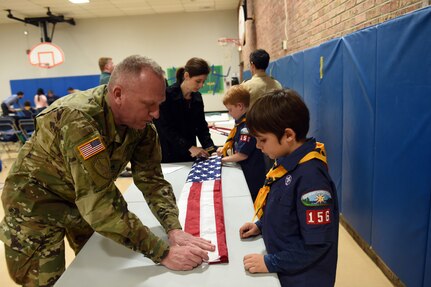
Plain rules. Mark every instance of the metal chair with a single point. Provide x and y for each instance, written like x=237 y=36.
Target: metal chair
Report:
x=8 y=137
x=27 y=127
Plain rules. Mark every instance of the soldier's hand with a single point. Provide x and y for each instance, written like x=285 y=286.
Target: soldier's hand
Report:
x=248 y=229
x=181 y=238
x=184 y=258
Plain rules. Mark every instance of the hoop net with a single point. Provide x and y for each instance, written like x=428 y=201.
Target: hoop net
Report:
x=228 y=41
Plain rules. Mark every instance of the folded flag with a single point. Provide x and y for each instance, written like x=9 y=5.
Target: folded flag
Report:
x=201 y=206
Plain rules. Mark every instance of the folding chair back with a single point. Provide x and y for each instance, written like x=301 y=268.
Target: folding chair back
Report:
x=8 y=137
x=27 y=127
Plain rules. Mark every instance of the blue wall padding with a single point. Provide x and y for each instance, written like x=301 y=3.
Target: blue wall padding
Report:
x=246 y=75
x=331 y=109
x=273 y=68
x=402 y=182
x=58 y=84
x=282 y=71
x=312 y=90
x=359 y=58
x=372 y=109
x=295 y=72
x=427 y=275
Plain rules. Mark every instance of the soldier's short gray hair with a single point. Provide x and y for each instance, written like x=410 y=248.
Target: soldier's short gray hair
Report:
x=133 y=66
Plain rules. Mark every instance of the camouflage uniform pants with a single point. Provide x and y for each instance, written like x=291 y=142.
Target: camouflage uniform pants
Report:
x=44 y=266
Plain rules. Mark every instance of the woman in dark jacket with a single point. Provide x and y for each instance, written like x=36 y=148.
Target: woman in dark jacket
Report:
x=182 y=116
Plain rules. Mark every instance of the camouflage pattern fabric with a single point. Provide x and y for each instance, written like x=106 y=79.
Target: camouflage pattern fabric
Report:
x=55 y=189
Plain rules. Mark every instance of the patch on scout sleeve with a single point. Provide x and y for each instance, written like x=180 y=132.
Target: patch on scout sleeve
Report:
x=316 y=198
x=244 y=135
x=318 y=216
x=91 y=148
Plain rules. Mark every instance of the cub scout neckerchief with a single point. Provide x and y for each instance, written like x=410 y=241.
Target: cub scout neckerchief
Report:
x=228 y=145
x=277 y=172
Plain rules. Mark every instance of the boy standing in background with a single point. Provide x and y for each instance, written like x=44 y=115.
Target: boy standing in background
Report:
x=240 y=146
x=297 y=208
x=106 y=67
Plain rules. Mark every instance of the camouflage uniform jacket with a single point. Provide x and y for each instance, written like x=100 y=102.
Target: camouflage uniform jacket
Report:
x=52 y=184
x=259 y=85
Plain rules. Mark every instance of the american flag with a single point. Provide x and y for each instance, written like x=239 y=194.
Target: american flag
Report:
x=91 y=148
x=201 y=206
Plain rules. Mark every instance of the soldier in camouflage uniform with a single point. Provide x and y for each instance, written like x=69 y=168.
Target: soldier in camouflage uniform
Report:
x=62 y=183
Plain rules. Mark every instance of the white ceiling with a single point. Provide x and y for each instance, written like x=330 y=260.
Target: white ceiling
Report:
x=108 y=8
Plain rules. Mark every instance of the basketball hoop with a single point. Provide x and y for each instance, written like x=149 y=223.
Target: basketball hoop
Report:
x=228 y=41
x=46 y=55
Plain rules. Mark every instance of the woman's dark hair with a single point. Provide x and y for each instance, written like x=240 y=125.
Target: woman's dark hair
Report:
x=278 y=110
x=195 y=67
x=39 y=92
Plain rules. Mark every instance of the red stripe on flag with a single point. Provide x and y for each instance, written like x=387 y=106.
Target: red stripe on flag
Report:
x=219 y=219
x=192 y=222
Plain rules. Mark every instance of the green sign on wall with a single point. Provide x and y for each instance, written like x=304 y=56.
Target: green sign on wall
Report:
x=213 y=85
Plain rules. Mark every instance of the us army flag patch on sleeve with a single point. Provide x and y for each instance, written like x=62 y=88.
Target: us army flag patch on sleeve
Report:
x=90 y=148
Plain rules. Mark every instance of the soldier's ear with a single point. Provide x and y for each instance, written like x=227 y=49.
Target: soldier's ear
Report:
x=117 y=94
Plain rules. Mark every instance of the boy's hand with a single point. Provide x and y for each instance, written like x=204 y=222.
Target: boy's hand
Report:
x=248 y=229
x=219 y=151
x=254 y=263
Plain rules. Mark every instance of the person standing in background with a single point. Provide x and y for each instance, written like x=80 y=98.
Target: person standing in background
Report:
x=72 y=90
x=260 y=83
x=8 y=103
x=106 y=67
x=51 y=97
x=40 y=101
x=182 y=116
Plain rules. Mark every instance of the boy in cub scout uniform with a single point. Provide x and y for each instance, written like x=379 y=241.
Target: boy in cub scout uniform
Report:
x=297 y=208
x=62 y=183
x=240 y=146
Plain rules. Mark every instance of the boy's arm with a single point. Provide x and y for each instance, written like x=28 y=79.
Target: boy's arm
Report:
x=237 y=157
x=295 y=258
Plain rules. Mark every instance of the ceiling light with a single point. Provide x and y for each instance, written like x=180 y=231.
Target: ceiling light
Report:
x=79 y=1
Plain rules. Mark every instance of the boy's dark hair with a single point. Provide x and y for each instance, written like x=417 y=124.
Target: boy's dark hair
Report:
x=278 y=110
x=195 y=67
x=235 y=95
x=27 y=104
x=20 y=93
x=260 y=59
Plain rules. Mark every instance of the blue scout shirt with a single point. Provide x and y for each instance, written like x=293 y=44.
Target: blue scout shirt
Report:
x=300 y=223
x=254 y=166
